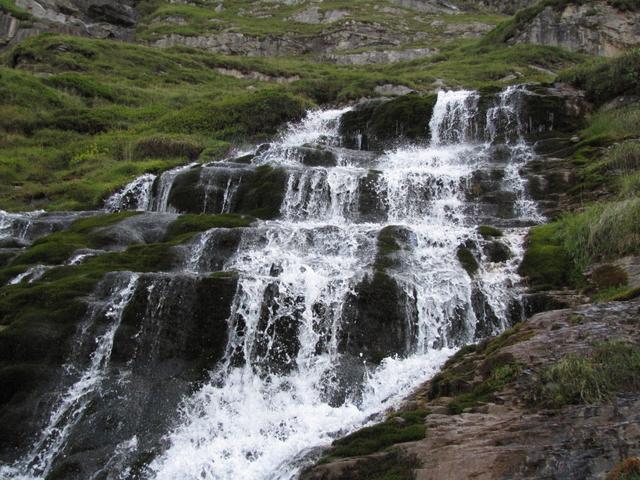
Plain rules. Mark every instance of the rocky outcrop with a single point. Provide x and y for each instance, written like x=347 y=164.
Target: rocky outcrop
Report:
x=92 y=18
x=508 y=434
x=596 y=28
x=381 y=56
x=348 y=35
x=508 y=7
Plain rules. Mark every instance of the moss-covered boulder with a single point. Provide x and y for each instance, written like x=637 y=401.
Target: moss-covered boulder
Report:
x=379 y=124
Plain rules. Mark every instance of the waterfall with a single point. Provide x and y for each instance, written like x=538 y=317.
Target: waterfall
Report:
x=308 y=325
x=100 y=326
x=134 y=196
x=291 y=378
x=453 y=119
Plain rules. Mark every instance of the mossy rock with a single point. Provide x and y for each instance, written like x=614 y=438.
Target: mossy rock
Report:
x=546 y=263
x=487 y=231
x=497 y=252
x=261 y=192
x=376 y=125
x=467 y=260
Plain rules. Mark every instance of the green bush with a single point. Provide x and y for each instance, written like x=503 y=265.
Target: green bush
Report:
x=606 y=230
x=168 y=146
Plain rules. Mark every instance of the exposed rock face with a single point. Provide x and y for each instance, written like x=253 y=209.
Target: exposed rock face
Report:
x=381 y=56
x=595 y=28
x=506 y=437
x=428 y=6
x=347 y=36
x=93 y=18
x=508 y=7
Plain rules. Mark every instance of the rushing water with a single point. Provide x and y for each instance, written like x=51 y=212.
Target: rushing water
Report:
x=267 y=404
x=291 y=379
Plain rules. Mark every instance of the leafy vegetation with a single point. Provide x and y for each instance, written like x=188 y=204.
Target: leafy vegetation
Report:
x=613 y=366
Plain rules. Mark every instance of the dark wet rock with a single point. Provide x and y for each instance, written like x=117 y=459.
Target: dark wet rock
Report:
x=166 y=341
x=376 y=125
x=371 y=208
x=467 y=259
x=138 y=229
x=497 y=251
x=229 y=188
x=377 y=320
x=276 y=345
x=316 y=157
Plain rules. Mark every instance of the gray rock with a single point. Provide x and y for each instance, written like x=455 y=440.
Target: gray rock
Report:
x=596 y=28
x=381 y=56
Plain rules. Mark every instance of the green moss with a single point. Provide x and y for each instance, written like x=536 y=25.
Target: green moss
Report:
x=626 y=295
x=57 y=247
x=487 y=231
x=191 y=224
x=467 y=260
x=613 y=366
x=546 y=262
x=9 y=7
x=407 y=426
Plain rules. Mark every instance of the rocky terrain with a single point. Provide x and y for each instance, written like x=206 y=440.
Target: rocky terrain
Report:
x=507 y=430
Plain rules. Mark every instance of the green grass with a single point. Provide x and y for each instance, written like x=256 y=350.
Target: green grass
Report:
x=613 y=366
x=603 y=231
x=605 y=79
x=406 y=426
x=9 y=7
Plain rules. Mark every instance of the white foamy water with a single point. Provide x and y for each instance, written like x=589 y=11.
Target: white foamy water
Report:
x=267 y=406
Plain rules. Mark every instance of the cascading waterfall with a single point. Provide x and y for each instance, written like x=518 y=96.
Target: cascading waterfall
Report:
x=269 y=404
x=86 y=377
x=302 y=363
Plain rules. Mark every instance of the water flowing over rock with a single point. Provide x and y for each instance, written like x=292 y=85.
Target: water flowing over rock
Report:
x=365 y=272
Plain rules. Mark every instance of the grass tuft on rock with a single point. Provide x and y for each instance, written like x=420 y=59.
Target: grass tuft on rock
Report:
x=613 y=366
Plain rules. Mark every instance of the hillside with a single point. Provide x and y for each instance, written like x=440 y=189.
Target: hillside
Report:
x=326 y=240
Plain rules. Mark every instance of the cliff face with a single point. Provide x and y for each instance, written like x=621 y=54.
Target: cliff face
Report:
x=595 y=28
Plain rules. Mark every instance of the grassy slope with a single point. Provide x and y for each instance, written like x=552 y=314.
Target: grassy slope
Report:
x=77 y=115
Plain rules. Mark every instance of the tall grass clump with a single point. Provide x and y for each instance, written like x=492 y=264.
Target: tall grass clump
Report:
x=602 y=231
x=613 y=366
